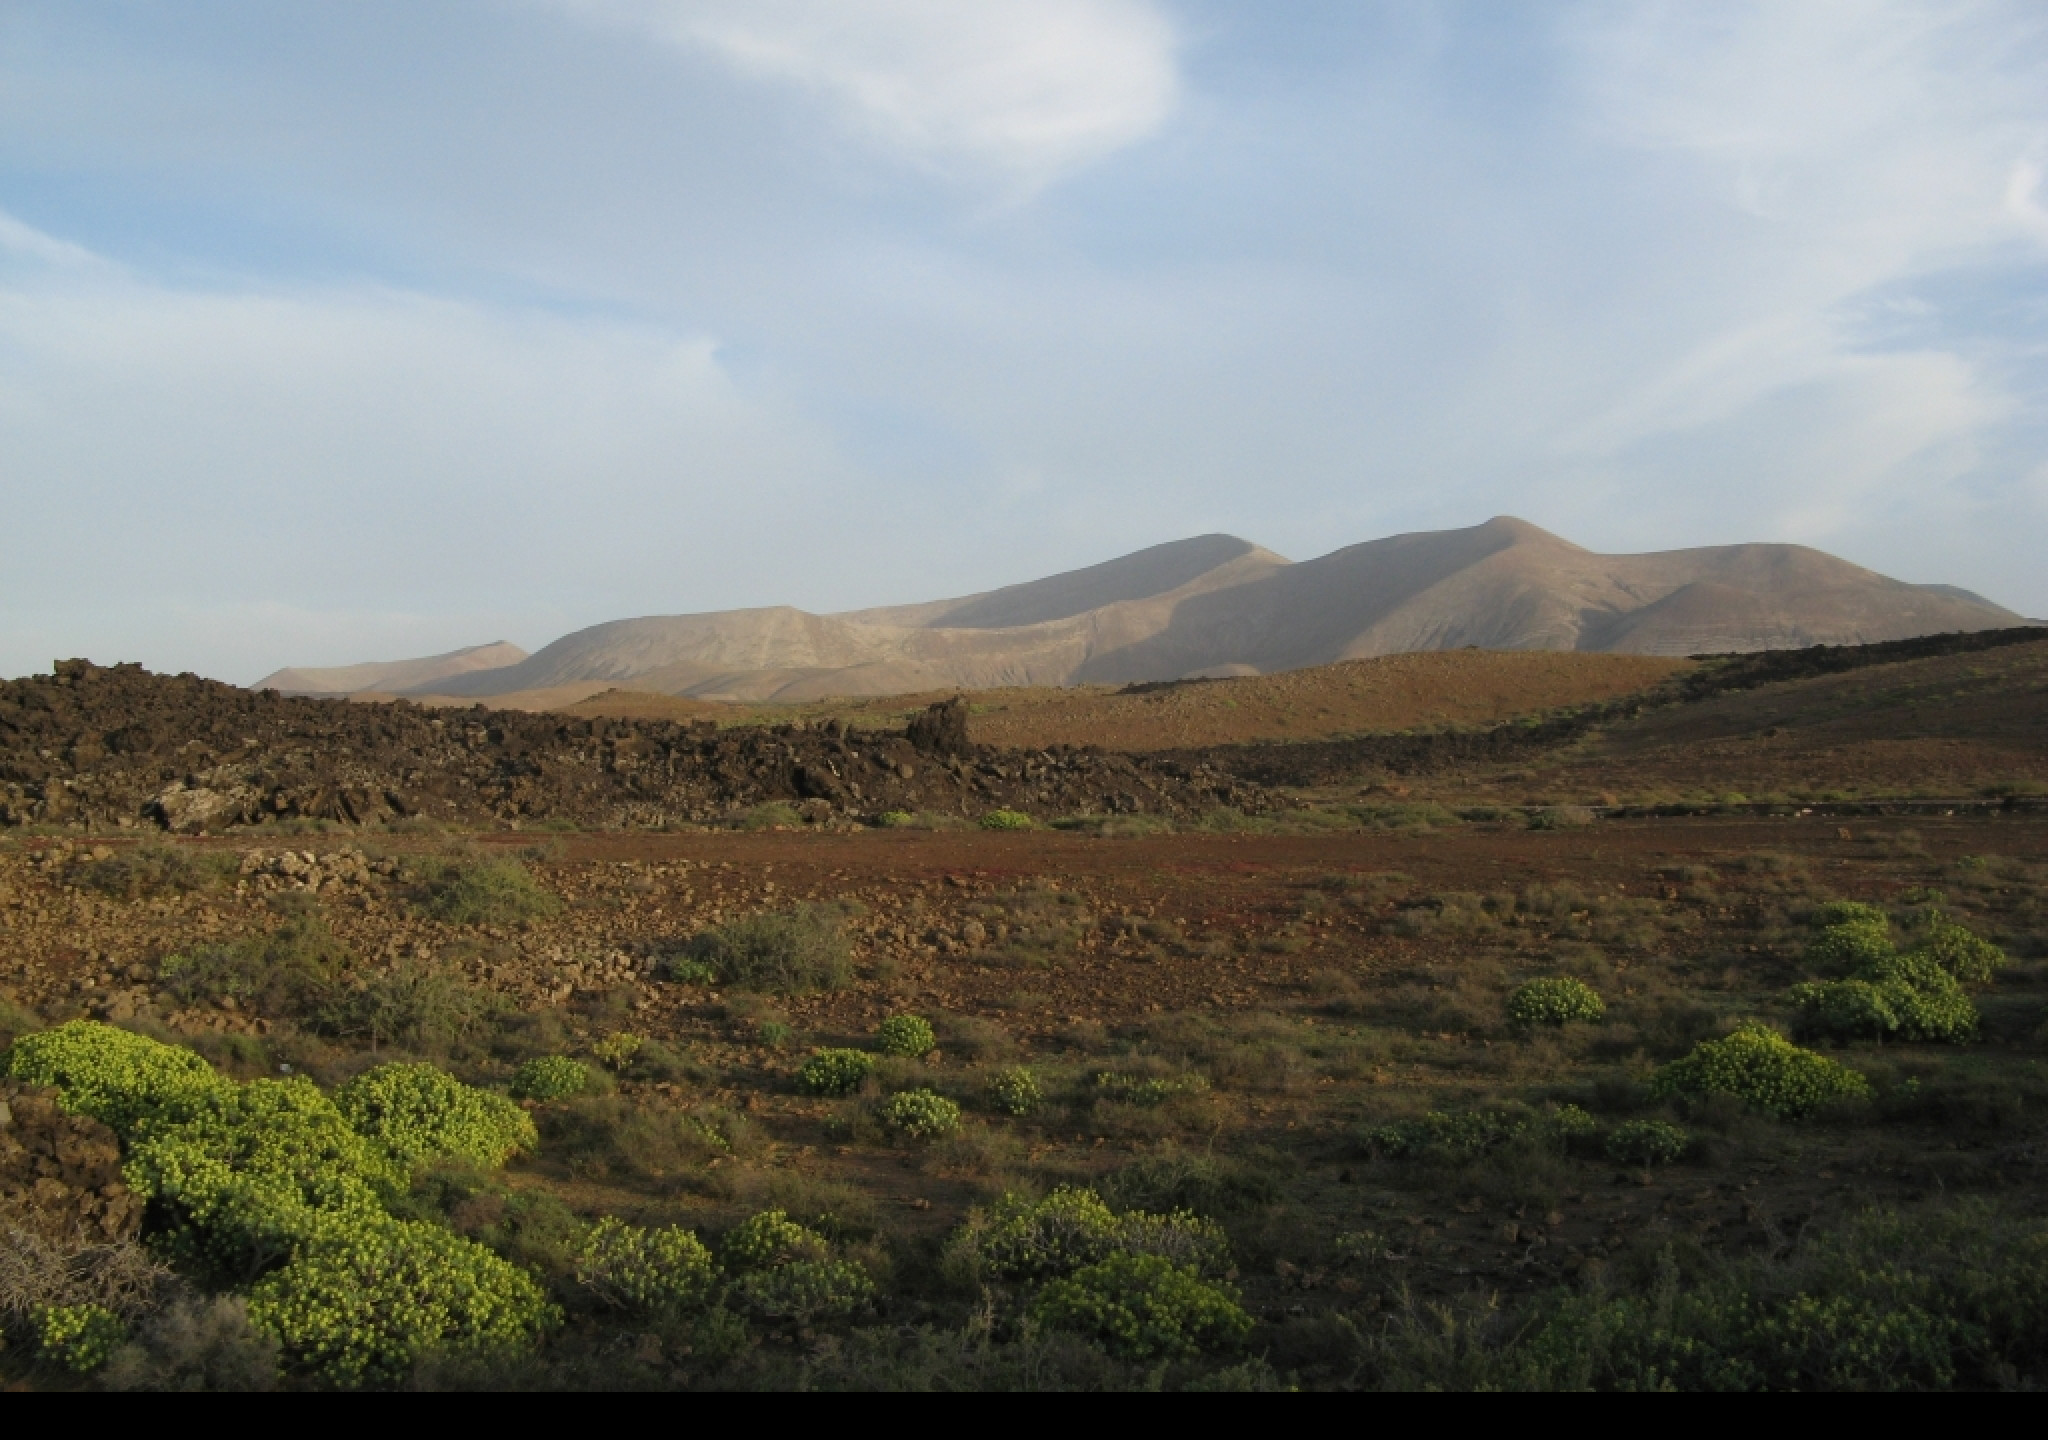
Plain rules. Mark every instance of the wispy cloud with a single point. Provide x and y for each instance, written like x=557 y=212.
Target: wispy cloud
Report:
x=1026 y=90
x=1811 y=157
x=25 y=242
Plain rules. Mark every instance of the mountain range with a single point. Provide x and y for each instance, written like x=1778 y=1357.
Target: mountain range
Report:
x=1217 y=605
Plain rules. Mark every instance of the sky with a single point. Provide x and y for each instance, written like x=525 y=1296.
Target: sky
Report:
x=332 y=333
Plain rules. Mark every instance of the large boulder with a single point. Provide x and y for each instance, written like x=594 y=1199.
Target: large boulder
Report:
x=942 y=729
x=60 y=1174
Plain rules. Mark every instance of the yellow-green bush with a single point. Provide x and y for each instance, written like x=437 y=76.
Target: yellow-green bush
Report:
x=1015 y=1091
x=657 y=1271
x=550 y=1077
x=785 y=1271
x=1555 y=1000
x=1646 y=1143
x=1904 y=997
x=1007 y=820
x=116 y=1077
x=368 y=1302
x=768 y=1239
x=243 y=1178
x=1970 y=959
x=1848 y=937
x=835 y=1072
x=918 y=1115
x=1143 y=1307
x=617 y=1050
x=256 y=1172
x=1020 y=1239
x=419 y=1112
x=805 y=1291
x=909 y=1036
x=81 y=1338
x=1764 y=1070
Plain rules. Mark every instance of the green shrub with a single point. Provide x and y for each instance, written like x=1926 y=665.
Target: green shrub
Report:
x=81 y=1338
x=785 y=1272
x=895 y=819
x=662 y=1271
x=1968 y=958
x=618 y=1050
x=687 y=969
x=1929 y=1001
x=769 y=1239
x=1147 y=1090
x=775 y=815
x=1143 y=1307
x=550 y=1077
x=418 y=1112
x=1763 y=1070
x=256 y=1171
x=1472 y=1133
x=835 y=1072
x=1015 y=1091
x=1558 y=1000
x=16 y=1020
x=805 y=1291
x=1850 y=936
x=297 y=969
x=414 y=1003
x=486 y=892
x=1914 y=996
x=1020 y=1239
x=118 y=1078
x=1852 y=913
x=780 y=951
x=1007 y=820
x=909 y=1036
x=1844 y=1010
x=154 y=868
x=369 y=1301
x=1195 y=1181
x=1646 y=1143
x=1905 y=997
x=918 y=1115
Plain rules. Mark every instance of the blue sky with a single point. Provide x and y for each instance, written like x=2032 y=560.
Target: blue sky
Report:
x=340 y=332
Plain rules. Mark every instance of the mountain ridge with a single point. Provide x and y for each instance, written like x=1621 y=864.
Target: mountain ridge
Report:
x=1221 y=604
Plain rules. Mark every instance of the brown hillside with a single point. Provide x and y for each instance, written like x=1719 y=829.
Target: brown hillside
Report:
x=1393 y=692
x=1949 y=725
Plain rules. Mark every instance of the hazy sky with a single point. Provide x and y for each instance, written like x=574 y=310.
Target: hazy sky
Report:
x=332 y=332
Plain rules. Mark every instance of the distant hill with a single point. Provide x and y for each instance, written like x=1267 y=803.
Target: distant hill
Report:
x=1216 y=604
x=393 y=675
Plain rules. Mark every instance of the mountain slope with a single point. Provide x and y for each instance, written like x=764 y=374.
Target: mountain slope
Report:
x=392 y=674
x=1217 y=604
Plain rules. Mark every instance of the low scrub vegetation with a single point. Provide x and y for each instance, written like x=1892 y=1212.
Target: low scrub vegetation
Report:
x=485 y=891
x=1251 y=1115
x=782 y=952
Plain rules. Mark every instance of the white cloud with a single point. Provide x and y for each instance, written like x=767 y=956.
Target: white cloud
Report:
x=2023 y=198
x=1027 y=89
x=1809 y=157
x=167 y=454
x=25 y=242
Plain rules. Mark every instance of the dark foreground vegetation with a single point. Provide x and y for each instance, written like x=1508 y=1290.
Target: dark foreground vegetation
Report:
x=1370 y=1092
